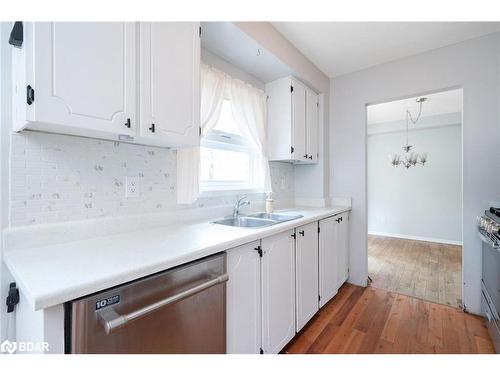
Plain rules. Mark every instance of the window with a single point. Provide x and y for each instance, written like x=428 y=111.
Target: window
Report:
x=228 y=159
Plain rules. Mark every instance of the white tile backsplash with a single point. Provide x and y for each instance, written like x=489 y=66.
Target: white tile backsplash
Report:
x=58 y=178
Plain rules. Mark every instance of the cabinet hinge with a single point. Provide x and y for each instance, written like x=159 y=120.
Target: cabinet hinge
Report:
x=259 y=250
x=319 y=298
x=199 y=31
x=199 y=131
x=319 y=229
x=291 y=88
x=30 y=95
x=261 y=351
x=292 y=149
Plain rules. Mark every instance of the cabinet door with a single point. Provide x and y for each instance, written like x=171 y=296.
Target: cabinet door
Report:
x=312 y=110
x=343 y=244
x=84 y=77
x=299 y=121
x=170 y=82
x=328 y=259
x=306 y=255
x=244 y=330
x=278 y=291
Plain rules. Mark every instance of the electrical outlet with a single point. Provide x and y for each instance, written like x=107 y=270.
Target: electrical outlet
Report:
x=132 y=188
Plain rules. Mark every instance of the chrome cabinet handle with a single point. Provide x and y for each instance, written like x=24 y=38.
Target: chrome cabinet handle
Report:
x=111 y=320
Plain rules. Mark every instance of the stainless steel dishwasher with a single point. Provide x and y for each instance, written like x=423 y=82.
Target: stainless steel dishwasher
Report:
x=181 y=310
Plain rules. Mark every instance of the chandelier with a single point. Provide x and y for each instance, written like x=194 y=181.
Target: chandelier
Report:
x=410 y=159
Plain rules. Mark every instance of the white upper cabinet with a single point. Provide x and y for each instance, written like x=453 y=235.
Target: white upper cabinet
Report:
x=278 y=291
x=293 y=114
x=170 y=82
x=312 y=129
x=299 y=120
x=80 y=78
x=306 y=250
x=90 y=79
x=244 y=313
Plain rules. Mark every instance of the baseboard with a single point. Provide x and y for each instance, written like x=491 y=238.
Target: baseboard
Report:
x=417 y=238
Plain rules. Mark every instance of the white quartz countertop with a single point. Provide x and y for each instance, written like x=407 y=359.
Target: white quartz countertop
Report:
x=51 y=275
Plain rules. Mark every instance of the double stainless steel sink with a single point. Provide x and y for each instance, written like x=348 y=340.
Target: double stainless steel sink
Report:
x=260 y=219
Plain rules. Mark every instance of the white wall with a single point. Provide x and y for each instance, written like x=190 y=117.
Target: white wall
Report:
x=422 y=202
x=472 y=65
x=218 y=62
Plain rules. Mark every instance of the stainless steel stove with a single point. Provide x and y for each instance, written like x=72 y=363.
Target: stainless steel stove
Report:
x=489 y=231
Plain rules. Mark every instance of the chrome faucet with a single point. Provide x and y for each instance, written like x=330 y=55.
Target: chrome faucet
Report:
x=239 y=203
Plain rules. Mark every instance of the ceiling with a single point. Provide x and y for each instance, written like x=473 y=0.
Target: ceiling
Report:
x=227 y=41
x=339 y=48
x=436 y=104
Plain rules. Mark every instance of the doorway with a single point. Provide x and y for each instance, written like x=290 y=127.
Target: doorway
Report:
x=414 y=186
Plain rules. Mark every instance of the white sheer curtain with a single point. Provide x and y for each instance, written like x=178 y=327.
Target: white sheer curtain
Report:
x=248 y=106
x=212 y=86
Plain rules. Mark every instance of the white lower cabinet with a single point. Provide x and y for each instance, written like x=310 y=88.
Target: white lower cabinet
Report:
x=306 y=258
x=328 y=259
x=333 y=255
x=343 y=244
x=244 y=313
x=274 y=283
x=278 y=291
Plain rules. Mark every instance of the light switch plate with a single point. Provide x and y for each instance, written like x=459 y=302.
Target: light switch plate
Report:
x=132 y=188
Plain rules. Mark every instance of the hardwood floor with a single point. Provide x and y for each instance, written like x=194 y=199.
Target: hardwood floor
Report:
x=427 y=270
x=373 y=320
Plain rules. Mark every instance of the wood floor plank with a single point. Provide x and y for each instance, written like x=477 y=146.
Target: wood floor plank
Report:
x=391 y=326
x=354 y=342
x=372 y=336
x=309 y=334
x=373 y=320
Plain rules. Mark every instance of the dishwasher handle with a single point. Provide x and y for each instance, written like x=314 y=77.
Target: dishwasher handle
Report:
x=111 y=320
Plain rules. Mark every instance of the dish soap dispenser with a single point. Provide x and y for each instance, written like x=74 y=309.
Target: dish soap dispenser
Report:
x=269 y=203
